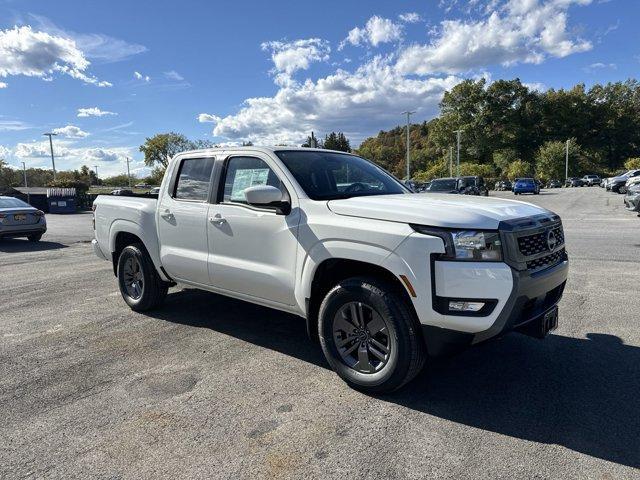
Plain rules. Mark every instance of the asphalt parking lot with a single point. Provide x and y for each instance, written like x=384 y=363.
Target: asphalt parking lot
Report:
x=208 y=387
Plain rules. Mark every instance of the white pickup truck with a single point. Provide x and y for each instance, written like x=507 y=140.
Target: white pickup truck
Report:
x=384 y=277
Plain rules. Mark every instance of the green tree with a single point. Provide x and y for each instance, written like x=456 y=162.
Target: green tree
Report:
x=519 y=169
x=159 y=149
x=551 y=160
x=119 y=180
x=337 y=141
x=632 y=164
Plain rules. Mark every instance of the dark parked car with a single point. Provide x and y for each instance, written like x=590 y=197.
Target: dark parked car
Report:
x=526 y=185
x=632 y=198
x=618 y=184
x=554 y=184
x=591 y=180
x=503 y=185
x=473 y=185
x=443 y=185
x=573 y=182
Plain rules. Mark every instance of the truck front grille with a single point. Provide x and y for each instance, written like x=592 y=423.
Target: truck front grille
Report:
x=546 y=261
x=537 y=243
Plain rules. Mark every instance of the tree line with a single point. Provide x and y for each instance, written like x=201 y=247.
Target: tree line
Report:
x=510 y=130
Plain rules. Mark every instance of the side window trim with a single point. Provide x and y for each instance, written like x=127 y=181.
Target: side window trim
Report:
x=173 y=186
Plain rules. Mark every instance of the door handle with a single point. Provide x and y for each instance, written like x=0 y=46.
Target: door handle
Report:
x=167 y=215
x=217 y=219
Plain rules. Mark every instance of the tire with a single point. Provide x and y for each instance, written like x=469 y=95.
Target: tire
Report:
x=34 y=238
x=379 y=304
x=135 y=267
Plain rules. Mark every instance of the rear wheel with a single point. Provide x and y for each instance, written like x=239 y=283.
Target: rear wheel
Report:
x=370 y=336
x=35 y=237
x=140 y=285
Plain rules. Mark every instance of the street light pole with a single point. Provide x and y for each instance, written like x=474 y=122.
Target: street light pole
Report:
x=408 y=113
x=95 y=169
x=53 y=162
x=451 y=161
x=128 y=172
x=566 y=161
x=458 y=133
x=24 y=171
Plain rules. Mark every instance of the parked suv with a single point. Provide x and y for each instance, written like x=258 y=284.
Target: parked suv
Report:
x=526 y=185
x=573 y=182
x=591 y=180
x=383 y=277
x=473 y=185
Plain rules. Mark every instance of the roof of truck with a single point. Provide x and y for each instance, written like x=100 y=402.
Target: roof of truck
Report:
x=263 y=149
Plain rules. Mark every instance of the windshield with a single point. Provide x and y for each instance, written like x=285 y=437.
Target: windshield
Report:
x=329 y=175
x=443 y=185
x=12 y=203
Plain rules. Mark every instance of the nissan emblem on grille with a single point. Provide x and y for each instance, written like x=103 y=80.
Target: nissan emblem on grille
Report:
x=552 y=241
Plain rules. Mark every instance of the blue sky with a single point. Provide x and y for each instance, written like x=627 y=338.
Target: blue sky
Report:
x=105 y=75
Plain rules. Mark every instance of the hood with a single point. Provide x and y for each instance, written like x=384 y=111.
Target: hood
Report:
x=436 y=210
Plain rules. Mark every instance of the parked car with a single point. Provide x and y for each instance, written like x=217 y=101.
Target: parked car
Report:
x=618 y=184
x=554 y=184
x=154 y=191
x=503 y=185
x=591 y=180
x=473 y=185
x=121 y=191
x=632 y=197
x=526 y=185
x=19 y=219
x=573 y=182
x=142 y=185
x=443 y=185
x=270 y=226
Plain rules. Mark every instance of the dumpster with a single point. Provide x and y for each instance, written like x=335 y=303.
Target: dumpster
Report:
x=61 y=200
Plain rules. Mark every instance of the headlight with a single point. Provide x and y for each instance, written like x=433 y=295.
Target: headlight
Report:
x=468 y=245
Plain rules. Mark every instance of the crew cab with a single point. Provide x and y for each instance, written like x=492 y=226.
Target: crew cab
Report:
x=384 y=277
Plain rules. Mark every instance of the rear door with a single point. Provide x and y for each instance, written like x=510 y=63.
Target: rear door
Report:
x=182 y=221
x=252 y=251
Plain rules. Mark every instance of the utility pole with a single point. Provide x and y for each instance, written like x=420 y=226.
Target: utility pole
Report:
x=408 y=113
x=24 y=171
x=53 y=162
x=128 y=172
x=95 y=169
x=458 y=133
x=451 y=161
x=566 y=161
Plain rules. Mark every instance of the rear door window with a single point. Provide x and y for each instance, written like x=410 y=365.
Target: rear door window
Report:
x=194 y=179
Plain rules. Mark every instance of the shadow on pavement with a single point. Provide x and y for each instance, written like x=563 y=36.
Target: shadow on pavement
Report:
x=583 y=394
x=19 y=245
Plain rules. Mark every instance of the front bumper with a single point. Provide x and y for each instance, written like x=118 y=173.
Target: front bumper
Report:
x=532 y=296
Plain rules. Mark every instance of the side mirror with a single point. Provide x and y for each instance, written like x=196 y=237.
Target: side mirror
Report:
x=268 y=196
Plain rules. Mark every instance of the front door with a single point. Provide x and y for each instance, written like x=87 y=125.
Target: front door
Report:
x=182 y=222
x=252 y=251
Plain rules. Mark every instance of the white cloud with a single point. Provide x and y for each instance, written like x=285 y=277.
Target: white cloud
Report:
x=3 y=85
x=71 y=131
x=4 y=152
x=13 y=125
x=410 y=17
x=356 y=103
x=97 y=155
x=537 y=86
x=297 y=55
x=208 y=118
x=524 y=31
x=139 y=76
x=93 y=112
x=376 y=31
x=39 y=54
x=96 y=46
x=173 y=75
x=600 y=66
x=41 y=149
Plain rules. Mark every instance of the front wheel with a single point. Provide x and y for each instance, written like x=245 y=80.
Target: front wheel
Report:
x=140 y=286
x=370 y=336
x=35 y=237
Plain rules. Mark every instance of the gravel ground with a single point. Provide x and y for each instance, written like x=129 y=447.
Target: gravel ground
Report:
x=208 y=387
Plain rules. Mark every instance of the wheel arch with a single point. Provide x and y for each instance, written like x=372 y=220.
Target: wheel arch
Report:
x=123 y=233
